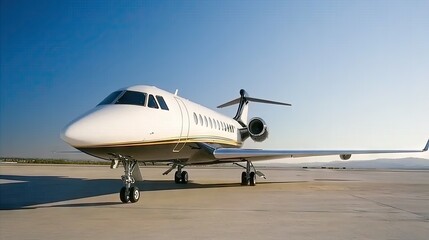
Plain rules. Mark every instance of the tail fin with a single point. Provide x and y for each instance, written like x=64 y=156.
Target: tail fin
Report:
x=243 y=108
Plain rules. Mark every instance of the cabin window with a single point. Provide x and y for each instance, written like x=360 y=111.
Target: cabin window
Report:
x=205 y=121
x=162 y=102
x=109 y=99
x=195 y=119
x=132 y=98
x=152 y=102
x=218 y=124
x=210 y=121
x=201 y=120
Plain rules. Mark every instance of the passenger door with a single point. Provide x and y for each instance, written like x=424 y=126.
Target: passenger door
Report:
x=184 y=132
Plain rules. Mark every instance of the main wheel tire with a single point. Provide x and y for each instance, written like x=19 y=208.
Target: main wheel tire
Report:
x=123 y=195
x=177 y=177
x=184 y=177
x=244 y=178
x=252 y=179
x=134 y=194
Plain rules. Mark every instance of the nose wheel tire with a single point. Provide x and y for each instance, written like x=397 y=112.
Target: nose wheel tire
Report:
x=123 y=195
x=134 y=194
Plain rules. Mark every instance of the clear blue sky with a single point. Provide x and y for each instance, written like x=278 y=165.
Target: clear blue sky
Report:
x=356 y=72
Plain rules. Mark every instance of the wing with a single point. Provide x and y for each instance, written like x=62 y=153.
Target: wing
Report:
x=229 y=154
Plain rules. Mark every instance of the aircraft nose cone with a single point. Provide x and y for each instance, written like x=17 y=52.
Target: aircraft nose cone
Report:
x=74 y=134
x=106 y=125
x=99 y=126
x=81 y=131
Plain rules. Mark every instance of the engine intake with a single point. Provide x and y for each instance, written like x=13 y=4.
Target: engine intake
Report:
x=257 y=129
x=345 y=156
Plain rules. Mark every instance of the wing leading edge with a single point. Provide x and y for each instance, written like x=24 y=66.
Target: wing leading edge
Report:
x=260 y=154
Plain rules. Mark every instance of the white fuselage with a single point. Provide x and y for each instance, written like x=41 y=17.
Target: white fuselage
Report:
x=152 y=134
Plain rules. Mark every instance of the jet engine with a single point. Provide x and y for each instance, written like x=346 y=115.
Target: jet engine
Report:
x=257 y=129
x=345 y=156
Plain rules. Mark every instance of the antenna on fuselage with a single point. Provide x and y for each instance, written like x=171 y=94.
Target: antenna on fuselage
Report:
x=176 y=92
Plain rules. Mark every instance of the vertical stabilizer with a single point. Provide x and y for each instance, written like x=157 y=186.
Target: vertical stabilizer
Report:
x=243 y=118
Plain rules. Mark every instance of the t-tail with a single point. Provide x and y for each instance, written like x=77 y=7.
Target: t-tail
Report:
x=256 y=127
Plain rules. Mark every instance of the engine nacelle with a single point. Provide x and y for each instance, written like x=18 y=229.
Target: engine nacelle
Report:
x=345 y=156
x=257 y=129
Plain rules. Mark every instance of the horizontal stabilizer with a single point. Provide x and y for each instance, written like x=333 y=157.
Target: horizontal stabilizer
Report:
x=250 y=99
x=230 y=103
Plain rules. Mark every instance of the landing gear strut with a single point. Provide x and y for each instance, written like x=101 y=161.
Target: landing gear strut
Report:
x=129 y=193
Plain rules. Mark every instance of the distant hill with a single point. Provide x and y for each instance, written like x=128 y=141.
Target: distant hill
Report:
x=401 y=163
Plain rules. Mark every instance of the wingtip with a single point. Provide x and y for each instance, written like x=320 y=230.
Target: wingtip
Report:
x=426 y=147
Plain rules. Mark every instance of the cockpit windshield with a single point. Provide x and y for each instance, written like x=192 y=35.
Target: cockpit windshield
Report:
x=127 y=97
x=132 y=98
x=135 y=98
x=109 y=99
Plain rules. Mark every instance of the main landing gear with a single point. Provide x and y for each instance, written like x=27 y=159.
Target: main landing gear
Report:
x=128 y=193
x=248 y=177
x=179 y=176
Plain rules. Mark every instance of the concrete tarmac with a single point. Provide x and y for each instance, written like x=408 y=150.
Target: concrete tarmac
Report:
x=82 y=202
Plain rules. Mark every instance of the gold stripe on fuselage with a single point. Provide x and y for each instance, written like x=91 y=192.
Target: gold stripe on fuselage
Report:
x=194 y=139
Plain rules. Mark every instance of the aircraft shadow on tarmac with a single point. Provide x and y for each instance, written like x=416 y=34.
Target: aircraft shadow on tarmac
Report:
x=26 y=191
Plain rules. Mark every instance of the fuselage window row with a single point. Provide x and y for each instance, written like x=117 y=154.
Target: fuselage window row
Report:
x=212 y=123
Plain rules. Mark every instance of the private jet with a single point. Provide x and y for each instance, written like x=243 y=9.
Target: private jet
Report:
x=148 y=125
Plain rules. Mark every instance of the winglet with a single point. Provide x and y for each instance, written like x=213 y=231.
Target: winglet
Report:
x=426 y=147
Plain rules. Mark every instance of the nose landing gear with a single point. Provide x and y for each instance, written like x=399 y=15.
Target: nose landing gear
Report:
x=128 y=193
